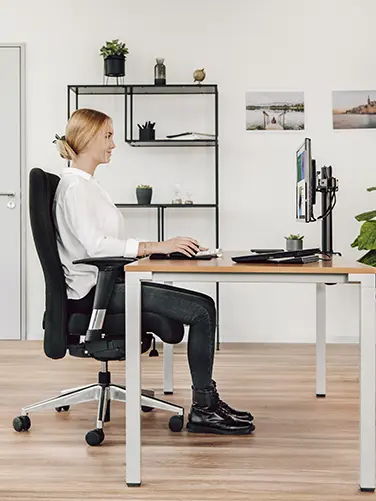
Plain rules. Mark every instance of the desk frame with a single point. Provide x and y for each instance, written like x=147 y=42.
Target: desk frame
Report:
x=365 y=284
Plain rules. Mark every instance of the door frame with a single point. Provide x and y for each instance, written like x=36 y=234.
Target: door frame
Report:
x=23 y=181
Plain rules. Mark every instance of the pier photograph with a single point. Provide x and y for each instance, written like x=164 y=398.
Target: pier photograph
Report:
x=274 y=110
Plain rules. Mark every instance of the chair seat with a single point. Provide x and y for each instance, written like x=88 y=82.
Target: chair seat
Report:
x=112 y=347
x=79 y=322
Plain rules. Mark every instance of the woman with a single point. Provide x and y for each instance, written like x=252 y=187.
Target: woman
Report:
x=88 y=224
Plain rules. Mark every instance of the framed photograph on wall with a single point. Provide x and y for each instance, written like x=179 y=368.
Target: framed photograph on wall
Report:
x=354 y=109
x=274 y=111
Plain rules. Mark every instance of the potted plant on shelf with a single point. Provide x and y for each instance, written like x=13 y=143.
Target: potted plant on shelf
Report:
x=143 y=194
x=114 y=54
x=366 y=240
x=294 y=242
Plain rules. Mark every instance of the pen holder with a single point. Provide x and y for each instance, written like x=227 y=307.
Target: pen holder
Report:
x=147 y=134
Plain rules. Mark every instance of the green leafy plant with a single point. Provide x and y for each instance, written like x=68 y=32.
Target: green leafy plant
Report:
x=144 y=186
x=114 y=48
x=366 y=240
x=295 y=237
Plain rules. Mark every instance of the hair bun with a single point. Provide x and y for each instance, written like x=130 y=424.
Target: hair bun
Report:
x=63 y=147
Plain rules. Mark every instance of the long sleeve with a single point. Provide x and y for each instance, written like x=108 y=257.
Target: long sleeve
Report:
x=87 y=224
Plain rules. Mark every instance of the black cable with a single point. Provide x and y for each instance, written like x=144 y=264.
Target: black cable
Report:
x=333 y=201
x=330 y=208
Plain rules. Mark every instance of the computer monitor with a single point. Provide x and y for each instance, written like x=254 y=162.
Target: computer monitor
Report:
x=308 y=182
x=305 y=191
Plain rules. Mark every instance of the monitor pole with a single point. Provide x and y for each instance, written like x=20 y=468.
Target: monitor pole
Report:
x=327 y=185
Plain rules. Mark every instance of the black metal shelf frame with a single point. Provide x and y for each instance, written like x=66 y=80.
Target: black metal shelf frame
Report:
x=161 y=212
x=131 y=90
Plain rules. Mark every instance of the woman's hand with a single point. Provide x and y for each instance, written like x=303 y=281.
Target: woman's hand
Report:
x=185 y=245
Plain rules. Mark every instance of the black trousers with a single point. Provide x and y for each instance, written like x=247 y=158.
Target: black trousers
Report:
x=184 y=306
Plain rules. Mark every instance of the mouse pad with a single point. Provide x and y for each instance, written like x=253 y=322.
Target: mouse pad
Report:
x=180 y=256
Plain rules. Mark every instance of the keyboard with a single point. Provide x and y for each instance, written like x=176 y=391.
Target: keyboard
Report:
x=210 y=252
x=266 y=257
x=294 y=260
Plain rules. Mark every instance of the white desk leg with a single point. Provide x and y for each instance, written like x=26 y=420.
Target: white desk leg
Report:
x=133 y=376
x=320 y=340
x=367 y=380
x=168 y=352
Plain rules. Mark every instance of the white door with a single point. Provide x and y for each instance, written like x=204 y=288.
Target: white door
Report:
x=11 y=164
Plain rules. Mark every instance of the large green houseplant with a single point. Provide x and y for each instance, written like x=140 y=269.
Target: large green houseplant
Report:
x=114 y=54
x=366 y=240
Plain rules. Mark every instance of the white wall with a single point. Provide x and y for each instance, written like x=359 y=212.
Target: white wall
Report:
x=312 y=45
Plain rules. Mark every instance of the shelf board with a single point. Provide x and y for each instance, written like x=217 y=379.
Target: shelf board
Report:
x=140 y=89
x=174 y=89
x=175 y=206
x=173 y=142
x=98 y=89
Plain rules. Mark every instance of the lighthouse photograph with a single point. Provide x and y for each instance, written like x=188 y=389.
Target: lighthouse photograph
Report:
x=354 y=109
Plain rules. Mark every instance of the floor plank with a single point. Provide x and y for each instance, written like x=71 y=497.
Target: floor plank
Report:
x=304 y=448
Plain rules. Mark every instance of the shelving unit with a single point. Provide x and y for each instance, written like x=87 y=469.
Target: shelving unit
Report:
x=129 y=92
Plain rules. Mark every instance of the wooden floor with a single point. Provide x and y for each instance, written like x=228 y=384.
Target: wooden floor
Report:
x=303 y=449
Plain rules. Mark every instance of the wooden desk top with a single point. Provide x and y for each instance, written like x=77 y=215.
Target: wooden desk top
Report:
x=225 y=265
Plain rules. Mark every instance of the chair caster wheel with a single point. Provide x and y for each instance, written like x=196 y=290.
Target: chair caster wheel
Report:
x=176 y=423
x=64 y=408
x=145 y=408
x=94 y=437
x=21 y=423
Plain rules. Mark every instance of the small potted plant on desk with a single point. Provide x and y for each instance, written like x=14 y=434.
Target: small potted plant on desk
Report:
x=294 y=242
x=366 y=240
x=114 y=54
x=144 y=193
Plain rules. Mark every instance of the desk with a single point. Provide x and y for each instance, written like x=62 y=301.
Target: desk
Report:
x=337 y=271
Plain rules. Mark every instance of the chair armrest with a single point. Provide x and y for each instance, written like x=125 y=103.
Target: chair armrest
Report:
x=106 y=262
x=108 y=269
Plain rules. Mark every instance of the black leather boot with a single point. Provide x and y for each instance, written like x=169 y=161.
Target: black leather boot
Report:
x=208 y=416
x=247 y=416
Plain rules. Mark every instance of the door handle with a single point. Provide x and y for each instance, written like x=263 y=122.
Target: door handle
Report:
x=7 y=194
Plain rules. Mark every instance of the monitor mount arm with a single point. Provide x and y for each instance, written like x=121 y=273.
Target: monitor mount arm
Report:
x=327 y=185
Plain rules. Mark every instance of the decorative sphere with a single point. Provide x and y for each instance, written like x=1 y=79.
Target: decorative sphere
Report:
x=199 y=75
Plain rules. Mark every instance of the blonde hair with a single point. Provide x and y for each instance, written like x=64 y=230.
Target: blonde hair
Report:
x=83 y=125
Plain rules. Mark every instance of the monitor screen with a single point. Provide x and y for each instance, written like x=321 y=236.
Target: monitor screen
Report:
x=304 y=172
x=301 y=165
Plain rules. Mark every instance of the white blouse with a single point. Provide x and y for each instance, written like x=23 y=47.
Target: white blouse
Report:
x=88 y=224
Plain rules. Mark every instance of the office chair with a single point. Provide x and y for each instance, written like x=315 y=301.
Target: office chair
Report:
x=96 y=334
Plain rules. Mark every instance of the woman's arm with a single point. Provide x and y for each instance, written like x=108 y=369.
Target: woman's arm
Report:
x=147 y=248
x=76 y=215
x=186 y=245
x=81 y=220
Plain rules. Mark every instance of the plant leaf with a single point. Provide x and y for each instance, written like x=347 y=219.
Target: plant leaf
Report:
x=369 y=258
x=355 y=242
x=373 y=188
x=367 y=236
x=114 y=48
x=366 y=216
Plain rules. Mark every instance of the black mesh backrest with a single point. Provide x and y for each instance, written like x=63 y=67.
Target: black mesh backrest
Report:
x=42 y=188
